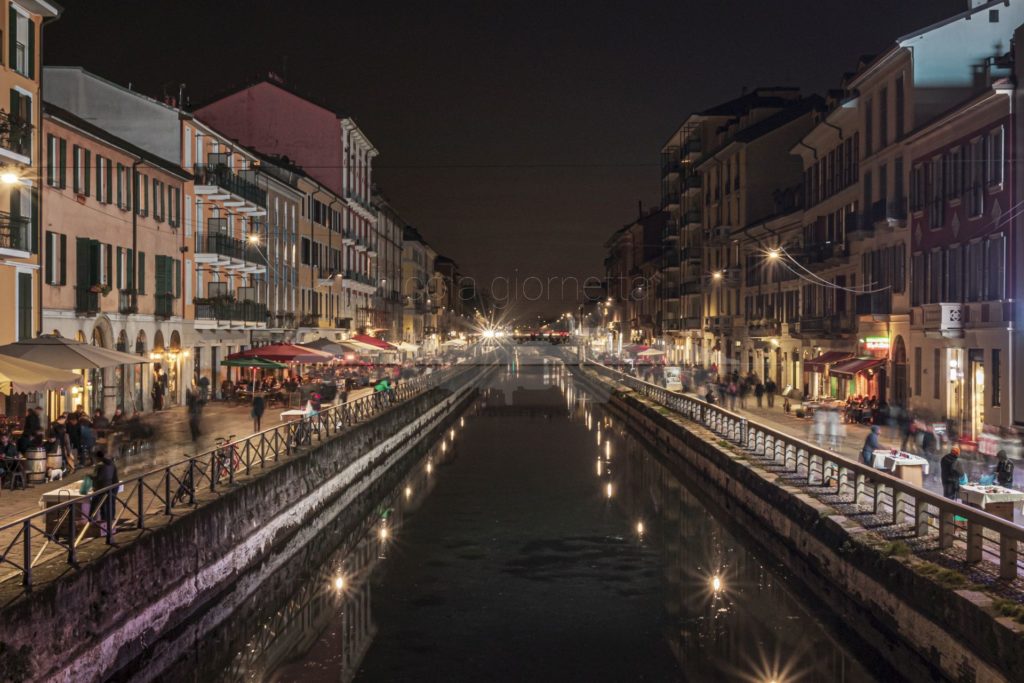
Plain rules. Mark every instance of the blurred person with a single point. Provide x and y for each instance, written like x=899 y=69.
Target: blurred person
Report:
x=1004 y=469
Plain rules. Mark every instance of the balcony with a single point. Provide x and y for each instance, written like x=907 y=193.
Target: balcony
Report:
x=941 y=320
x=361 y=205
x=681 y=324
x=14 y=235
x=827 y=253
x=692 y=147
x=691 y=217
x=721 y=325
x=764 y=328
x=720 y=234
x=691 y=183
x=889 y=214
x=670 y=260
x=15 y=138
x=669 y=199
x=838 y=325
x=219 y=250
x=221 y=183
x=359 y=282
x=87 y=302
x=858 y=226
x=670 y=231
x=225 y=313
x=282 y=321
x=127 y=302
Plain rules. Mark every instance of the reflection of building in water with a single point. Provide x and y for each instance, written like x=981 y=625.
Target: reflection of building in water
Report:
x=735 y=632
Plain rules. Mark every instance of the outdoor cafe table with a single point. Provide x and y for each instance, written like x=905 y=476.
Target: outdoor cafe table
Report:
x=906 y=466
x=994 y=499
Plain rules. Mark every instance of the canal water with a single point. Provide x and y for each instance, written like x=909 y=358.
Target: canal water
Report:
x=539 y=540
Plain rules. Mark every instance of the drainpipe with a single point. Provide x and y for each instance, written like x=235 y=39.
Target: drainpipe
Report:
x=41 y=243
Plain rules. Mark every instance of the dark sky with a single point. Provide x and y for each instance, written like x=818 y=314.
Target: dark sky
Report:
x=515 y=135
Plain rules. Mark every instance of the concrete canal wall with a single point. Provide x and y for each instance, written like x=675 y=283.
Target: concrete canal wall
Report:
x=925 y=630
x=94 y=622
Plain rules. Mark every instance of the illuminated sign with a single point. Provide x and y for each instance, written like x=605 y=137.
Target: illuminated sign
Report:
x=876 y=343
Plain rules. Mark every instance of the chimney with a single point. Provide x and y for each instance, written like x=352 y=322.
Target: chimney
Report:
x=639 y=208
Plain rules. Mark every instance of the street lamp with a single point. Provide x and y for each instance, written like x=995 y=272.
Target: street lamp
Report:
x=10 y=178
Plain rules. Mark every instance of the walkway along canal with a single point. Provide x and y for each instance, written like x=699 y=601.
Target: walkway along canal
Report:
x=537 y=539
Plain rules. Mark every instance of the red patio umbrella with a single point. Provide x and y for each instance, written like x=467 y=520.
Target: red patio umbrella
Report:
x=285 y=353
x=372 y=341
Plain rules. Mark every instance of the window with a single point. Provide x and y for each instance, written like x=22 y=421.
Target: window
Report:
x=954 y=174
x=917 y=371
x=935 y=276
x=25 y=316
x=936 y=372
x=917 y=188
x=22 y=43
x=954 y=282
x=51 y=160
x=306 y=256
x=869 y=115
x=56 y=259
x=917 y=289
x=975 y=198
x=996 y=268
x=994 y=158
x=120 y=186
x=900 y=107
x=936 y=209
x=102 y=187
x=63 y=154
x=997 y=368
x=883 y=118
x=77 y=174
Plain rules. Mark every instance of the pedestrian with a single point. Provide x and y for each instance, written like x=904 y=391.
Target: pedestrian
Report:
x=733 y=391
x=1004 y=470
x=258 y=407
x=157 y=393
x=105 y=475
x=769 y=390
x=33 y=421
x=204 y=388
x=86 y=441
x=819 y=427
x=836 y=430
x=759 y=392
x=194 y=407
x=952 y=473
x=871 y=444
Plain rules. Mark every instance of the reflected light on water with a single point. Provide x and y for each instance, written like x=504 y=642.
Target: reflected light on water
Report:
x=408 y=492
x=599 y=436
x=599 y=467
x=444 y=446
x=608 y=449
x=451 y=434
x=608 y=490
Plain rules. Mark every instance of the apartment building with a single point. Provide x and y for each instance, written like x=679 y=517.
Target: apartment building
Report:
x=417 y=275
x=272 y=118
x=387 y=305
x=21 y=164
x=112 y=258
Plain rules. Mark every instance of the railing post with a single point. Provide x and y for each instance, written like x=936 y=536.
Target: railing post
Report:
x=1007 y=557
x=111 y=504
x=920 y=518
x=743 y=431
x=139 y=509
x=192 y=481
x=213 y=471
x=26 y=540
x=974 y=540
x=72 y=533
x=947 y=527
x=167 y=490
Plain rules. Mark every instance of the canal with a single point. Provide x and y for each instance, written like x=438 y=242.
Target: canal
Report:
x=538 y=540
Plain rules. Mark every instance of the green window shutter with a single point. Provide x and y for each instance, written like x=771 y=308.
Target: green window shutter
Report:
x=63 y=163
x=83 y=258
x=108 y=184
x=31 y=49
x=88 y=172
x=120 y=269
x=49 y=258
x=130 y=280
x=12 y=38
x=76 y=163
x=63 y=259
x=120 y=186
x=109 y=248
x=15 y=102
x=177 y=278
x=99 y=178
x=142 y=272
x=51 y=162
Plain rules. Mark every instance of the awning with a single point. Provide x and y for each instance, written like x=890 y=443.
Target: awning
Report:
x=285 y=353
x=855 y=365
x=828 y=358
x=379 y=344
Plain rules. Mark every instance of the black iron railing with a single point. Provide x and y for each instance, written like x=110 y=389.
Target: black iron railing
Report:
x=14 y=232
x=87 y=302
x=225 y=178
x=15 y=134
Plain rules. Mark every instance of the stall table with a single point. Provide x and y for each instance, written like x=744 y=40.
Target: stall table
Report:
x=992 y=498
x=56 y=521
x=906 y=466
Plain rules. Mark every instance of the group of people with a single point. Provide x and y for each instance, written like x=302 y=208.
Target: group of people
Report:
x=727 y=389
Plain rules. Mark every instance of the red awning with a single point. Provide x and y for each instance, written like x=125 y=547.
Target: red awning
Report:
x=285 y=353
x=373 y=341
x=828 y=358
x=855 y=365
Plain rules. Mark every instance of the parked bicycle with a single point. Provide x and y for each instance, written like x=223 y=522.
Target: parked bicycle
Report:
x=226 y=456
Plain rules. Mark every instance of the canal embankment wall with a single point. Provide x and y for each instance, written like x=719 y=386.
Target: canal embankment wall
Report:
x=924 y=629
x=96 y=621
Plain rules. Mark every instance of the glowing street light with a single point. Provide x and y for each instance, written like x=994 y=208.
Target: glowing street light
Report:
x=716 y=583
x=339 y=583
x=9 y=178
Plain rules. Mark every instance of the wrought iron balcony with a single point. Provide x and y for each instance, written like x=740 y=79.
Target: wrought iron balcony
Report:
x=127 y=302
x=691 y=217
x=764 y=328
x=875 y=303
x=691 y=182
x=669 y=198
x=891 y=213
x=942 y=320
x=228 y=312
x=15 y=134
x=14 y=232
x=226 y=179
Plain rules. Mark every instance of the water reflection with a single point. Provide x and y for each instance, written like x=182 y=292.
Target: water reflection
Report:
x=639 y=551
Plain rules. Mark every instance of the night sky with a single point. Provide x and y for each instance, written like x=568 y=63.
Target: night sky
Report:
x=515 y=135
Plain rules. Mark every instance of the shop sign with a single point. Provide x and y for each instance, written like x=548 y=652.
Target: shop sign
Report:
x=876 y=343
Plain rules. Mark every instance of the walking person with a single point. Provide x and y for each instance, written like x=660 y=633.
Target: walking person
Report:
x=836 y=430
x=105 y=503
x=871 y=444
x=952 y=473
x=259 y=406
x=769 y=390
x=819 y=427
x=1004 y=470
x=194 y=406
x=759 y=392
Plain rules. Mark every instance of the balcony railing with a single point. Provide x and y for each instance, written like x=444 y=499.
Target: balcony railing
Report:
x=893 y=211
x=127 y=302
x=359 y=277
x=226 y=245
x=87 y=302
x=824 y=252
x=875 y=303
x=309 y=320
x=947 y=319
x=691 y=217
x=670 y=231
x=163 y=305
x=764 y=328
x=837 y=324
x=692 y=147
x=15 y=134
x=232 y=311
x=719 y=324
x=225 y=178
x=14 y=232
x=669 y=198
x=691 y=182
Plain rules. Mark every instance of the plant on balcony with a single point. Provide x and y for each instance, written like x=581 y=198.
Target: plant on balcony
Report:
x=99 y=289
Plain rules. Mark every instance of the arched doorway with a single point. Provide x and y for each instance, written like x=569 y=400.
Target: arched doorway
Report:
x=173 y=358
x=900 y=374
x=158 y=391
x=94 y=394
x=121 y=374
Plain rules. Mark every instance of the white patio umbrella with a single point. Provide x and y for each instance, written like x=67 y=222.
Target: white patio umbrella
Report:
x=651 y=352
x=18 y=375
x=67 y=354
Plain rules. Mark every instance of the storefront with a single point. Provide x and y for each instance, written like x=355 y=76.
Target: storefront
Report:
x=860 y=377
x=818 y=381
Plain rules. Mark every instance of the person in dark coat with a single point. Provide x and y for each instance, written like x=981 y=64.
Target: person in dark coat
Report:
x=33 y=421
x=259 y=406
x=867 y=453
x=1004 y=470
x=952 y=472
x=105 y=475
x=194 y=406
x=769 y=390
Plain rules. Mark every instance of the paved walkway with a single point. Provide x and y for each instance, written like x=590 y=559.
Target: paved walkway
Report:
x=173 y=444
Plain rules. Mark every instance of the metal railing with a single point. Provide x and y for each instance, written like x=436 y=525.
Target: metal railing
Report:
x=138 y=502
x=232 y=311
x=87 y=302
x=225 y=178
x=14 y=232
x=15 y=134
x=926 y=512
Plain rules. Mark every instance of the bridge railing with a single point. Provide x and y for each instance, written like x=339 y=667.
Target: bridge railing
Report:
x=925 y=511
x=136 y=502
